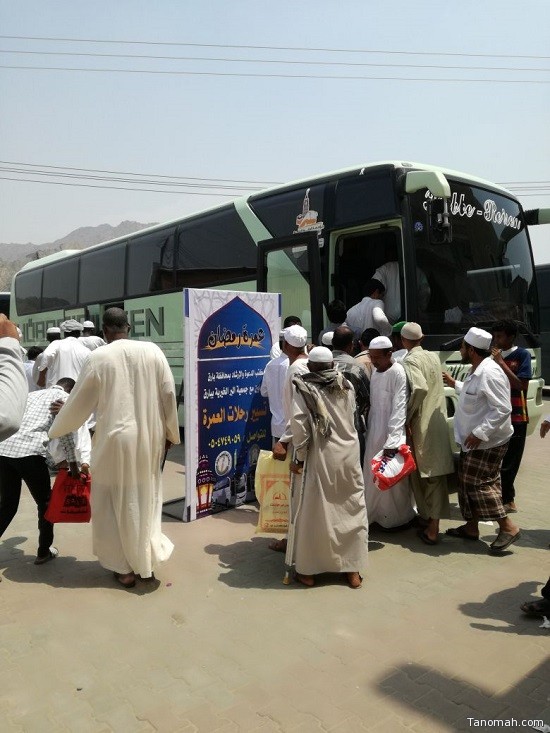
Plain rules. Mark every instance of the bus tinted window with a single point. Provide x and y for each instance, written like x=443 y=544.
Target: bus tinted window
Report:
x=28 y=292
x=361 y=198
x=216 y=248
x=5 y=304
x=485 y=273
x=59 y=284
x=294 y=211
x=102 y=274
x=150 y=263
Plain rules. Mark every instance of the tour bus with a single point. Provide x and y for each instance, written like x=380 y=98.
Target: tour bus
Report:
x=461 y=243
x=543 y=283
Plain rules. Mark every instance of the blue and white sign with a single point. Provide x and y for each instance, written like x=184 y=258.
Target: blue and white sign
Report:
x=228 y=336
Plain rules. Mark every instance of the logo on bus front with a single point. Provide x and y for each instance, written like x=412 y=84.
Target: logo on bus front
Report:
x=307 y=220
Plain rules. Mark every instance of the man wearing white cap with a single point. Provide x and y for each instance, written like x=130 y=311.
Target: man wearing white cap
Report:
x=482 y=428
x=53 y=336
x=331 y=527
x=294 y=346
x=63 y=358
x=427 y=421
x=390 y=509
x=88 y=338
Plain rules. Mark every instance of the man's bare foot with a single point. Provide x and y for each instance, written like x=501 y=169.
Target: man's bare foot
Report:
x=127 y=580
x=278 y=545
x=307 y=580
x=354 y=580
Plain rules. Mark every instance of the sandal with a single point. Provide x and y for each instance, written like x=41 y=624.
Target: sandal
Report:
x=461 y=532
x=126 y=580
x=503 y=541
x=278 y=545
x=536 y=608
x=354 y=580
x=307 y=580
x=425 y=539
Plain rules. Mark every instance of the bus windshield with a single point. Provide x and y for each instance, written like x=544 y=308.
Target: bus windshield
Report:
x=485 y=273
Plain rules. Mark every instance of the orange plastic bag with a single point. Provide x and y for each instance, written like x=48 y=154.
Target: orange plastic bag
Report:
x=272 y=486
x=70 y=499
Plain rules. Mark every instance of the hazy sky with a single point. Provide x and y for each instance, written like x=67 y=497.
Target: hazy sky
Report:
x=263 y=128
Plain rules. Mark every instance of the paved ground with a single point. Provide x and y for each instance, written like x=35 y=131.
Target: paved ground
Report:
x=433 y=638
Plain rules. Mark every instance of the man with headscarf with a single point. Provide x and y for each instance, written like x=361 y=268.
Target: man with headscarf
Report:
x=129 y=385
x=427 y=422
x=331 y=530
x=63 y=358
x=391 y=509
x=482 y=428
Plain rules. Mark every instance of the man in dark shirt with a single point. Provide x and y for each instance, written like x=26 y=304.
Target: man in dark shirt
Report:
x=342 y=348
x=516 y=364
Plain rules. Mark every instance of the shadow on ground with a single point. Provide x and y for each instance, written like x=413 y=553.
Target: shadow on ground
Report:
x=503 y=606
x=451 y=702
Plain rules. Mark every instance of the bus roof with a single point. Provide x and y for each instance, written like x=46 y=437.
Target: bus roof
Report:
x=380 y=165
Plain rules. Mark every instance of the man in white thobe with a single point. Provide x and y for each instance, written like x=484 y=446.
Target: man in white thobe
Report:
x=272 y=386
x=331 y=529
x=369 y=312
x=389 y=276
x=89 y=338
x=393 y=508
x=130 y=387
x=63 y=358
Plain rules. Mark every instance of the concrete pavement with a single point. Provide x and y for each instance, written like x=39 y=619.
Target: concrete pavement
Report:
x=434 y=640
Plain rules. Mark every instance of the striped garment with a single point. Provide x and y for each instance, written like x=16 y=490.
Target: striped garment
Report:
x=479 y=488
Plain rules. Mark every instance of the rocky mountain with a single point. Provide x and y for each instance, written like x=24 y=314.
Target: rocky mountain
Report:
x=14 y=256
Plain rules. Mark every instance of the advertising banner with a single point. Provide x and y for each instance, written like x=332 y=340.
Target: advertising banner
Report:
x=228 y=337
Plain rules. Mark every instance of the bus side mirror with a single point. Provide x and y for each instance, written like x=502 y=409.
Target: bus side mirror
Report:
x=439 y=222
x=440 y=230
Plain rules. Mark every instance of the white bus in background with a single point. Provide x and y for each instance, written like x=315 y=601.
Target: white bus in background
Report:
x=461 y=245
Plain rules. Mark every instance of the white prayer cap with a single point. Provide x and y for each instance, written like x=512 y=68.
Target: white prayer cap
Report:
x=88 y=324
x=53 y=329
x=320 y=355
x=411 y=331
x=70 y=325
x=479 y=338
x=326 y=340
x=296 y=336
x=381 y=342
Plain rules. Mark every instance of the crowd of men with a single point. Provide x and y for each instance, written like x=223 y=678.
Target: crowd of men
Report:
x=120 y=390
x=366 y=390
x=363 y=393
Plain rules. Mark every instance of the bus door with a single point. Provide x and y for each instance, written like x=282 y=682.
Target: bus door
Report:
x=291 y=266
x=357 y=253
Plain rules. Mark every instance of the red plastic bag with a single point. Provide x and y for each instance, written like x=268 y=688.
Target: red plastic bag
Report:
x=387 y=472
x=70 y=499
